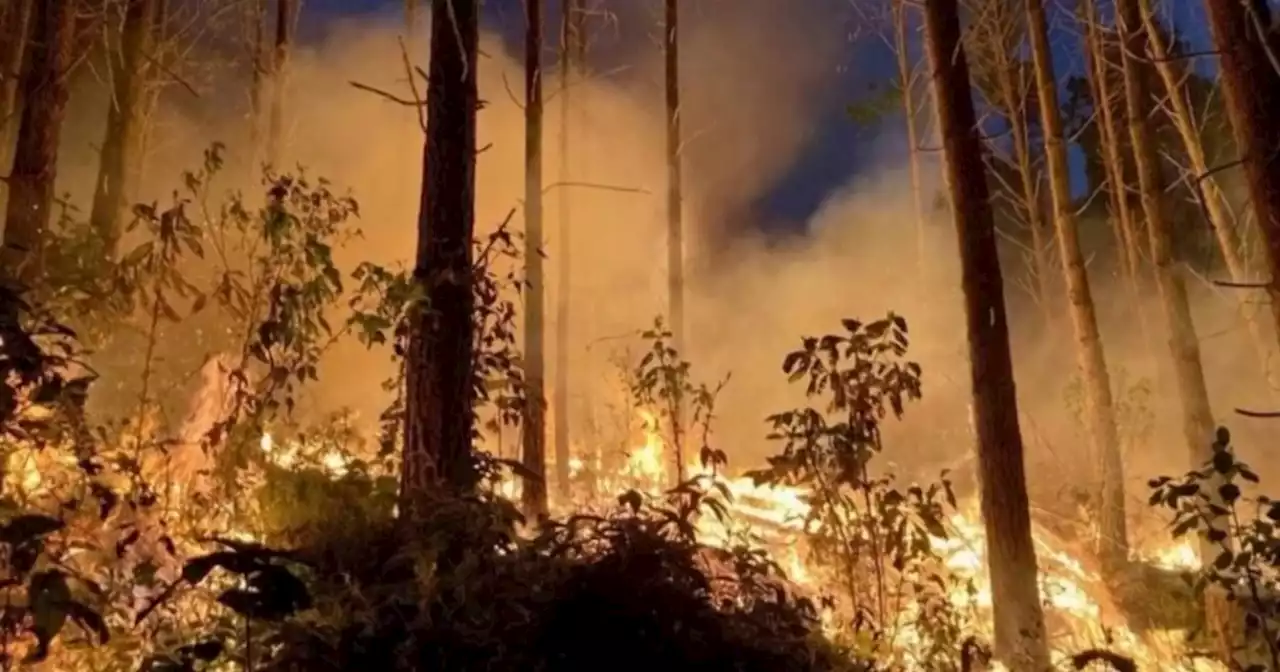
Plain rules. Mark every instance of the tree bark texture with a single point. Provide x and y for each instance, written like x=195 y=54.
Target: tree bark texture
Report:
x=125 y=120
x=35 y=161
x=1019 y=621
x=1099 y=406
x=439 y=420
x=534 y=431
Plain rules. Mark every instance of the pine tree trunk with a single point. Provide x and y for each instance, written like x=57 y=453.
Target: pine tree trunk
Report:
x=1211 y=196
x=1251 y=79
x=1184 y=347
x=1015 y=103
x=286 y=14
x=534 y=431
x=1019 y=621
x=1096 y=380
x=13 y=33
x=261 y=71
x=572 y=64
x=35 y=160
x=439 y=419
x=124 y=123
x=675 y=223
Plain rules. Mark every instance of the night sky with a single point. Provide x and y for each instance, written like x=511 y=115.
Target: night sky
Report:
x=838 y=147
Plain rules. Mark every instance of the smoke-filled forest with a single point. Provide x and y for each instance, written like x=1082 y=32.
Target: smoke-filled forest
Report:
x=450 y=335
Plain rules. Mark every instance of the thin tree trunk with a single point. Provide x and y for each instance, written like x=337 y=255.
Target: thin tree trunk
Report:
x=35 y=161
x=1016 y=106
x=1252 y=87
x=1184 y=347
x=1019 y=621
x=1099 y=407
x=572 y=63
x=439 y=413
x=17 y=21
x=1112 y=160
x=260 y=73
x=907 y=82
x=410 y=23
x=124 y=123
x=286 y=13
x=675 y=223
x=534 y=434
x=1209 y=193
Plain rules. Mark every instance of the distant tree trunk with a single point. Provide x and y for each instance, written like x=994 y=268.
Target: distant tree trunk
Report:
x=261 y=71
x=1113 y=159
x=907 y=81
x=1184 y=347
x=1013 y=97
x=439 y=419
x=1215 y=202
x=125 y=119
x=410 y=22
x=286 y=14
x=1249 y=45
x=1019 y=622
x=13 y=33
x=35 y=161
x=534 y=431
x=1095 y=379
x=572 y=63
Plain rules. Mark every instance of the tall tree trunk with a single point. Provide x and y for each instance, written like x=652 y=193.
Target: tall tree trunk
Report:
x=261 y=72
x=534 y=431
x=439 y=413
x=1019 y=622
x=907 y=82
x=286 y=14
x=1251 y=79
x=1014 y=100
x=572 y=64
x=1210 y=195
x=1184 y=347
x=1113 y=159
x=675 y=217
x=35 y=161
x=124 y=122
x=410 y=23
x=14 y=33
x=1099 y=408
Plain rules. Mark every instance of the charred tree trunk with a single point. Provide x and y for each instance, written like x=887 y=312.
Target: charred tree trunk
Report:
x=14 y=33
x=1184 y=347
x=1096 y=380
x=675 y=215
x=1019 y=622
x=439 y=413
x=1250 y=46
x=286 y=14
x=35 y=160
x=125 y=118
x=534 y=434
x=572 y=64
